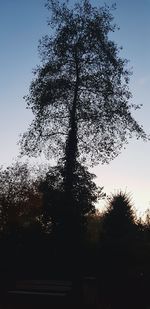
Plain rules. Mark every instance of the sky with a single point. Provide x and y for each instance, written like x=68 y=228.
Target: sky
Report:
x=22 y=24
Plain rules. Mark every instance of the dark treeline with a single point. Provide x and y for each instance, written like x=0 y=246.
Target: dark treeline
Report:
x=113 y=246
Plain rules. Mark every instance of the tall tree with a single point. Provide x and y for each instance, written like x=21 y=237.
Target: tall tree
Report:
x=79 y=96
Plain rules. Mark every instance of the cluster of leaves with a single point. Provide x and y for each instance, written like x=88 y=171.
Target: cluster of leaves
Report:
x=32 y=213
x=19 y=198
x=26 y=195
x=83 y=79
x=86 y=193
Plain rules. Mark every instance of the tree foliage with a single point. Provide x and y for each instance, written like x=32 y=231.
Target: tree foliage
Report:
x=123 y=255
x=86 y=193
x=80 y=95
x=19 y=197
x=120 y=218
x=29 y=194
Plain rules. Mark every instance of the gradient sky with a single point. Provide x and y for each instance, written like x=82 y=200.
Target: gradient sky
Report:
x=22 y=23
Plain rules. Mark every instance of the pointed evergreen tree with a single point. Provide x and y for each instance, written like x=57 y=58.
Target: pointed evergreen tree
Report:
x=120 y=219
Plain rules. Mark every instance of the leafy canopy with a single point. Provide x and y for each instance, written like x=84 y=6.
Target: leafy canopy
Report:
x=19 y=196
x=81 y=66
x=86 y=193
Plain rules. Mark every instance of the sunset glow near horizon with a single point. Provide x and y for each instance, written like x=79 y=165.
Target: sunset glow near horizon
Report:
x=22 y=24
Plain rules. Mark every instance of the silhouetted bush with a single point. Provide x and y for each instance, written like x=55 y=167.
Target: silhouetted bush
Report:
x=122 y=255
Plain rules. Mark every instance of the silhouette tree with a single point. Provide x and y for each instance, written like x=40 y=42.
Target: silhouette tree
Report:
x=86 y=193
x=120 y=246
x=119 y=219
x=79 y=96
x=20 y=200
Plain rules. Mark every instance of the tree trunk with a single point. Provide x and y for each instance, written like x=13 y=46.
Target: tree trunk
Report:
x=71 y=151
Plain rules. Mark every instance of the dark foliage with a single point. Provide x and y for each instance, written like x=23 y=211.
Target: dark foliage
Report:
x=79 y=96
x=119 y=220
x=80 y=101
x=122 y=255
x=34 y=224
x=19 y=198
x=86 y=193
x=118 y=258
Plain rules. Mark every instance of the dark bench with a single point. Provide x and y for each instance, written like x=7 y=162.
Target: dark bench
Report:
x=61 y=292
x=52 y=291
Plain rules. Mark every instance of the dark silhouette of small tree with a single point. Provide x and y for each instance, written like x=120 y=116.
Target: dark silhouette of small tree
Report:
x=80 y=94
x=20 y=229
x=19 y=197
x=120 y=218
x=119 y=252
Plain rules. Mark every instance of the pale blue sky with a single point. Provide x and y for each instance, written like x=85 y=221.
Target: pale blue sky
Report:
x=22 y=23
